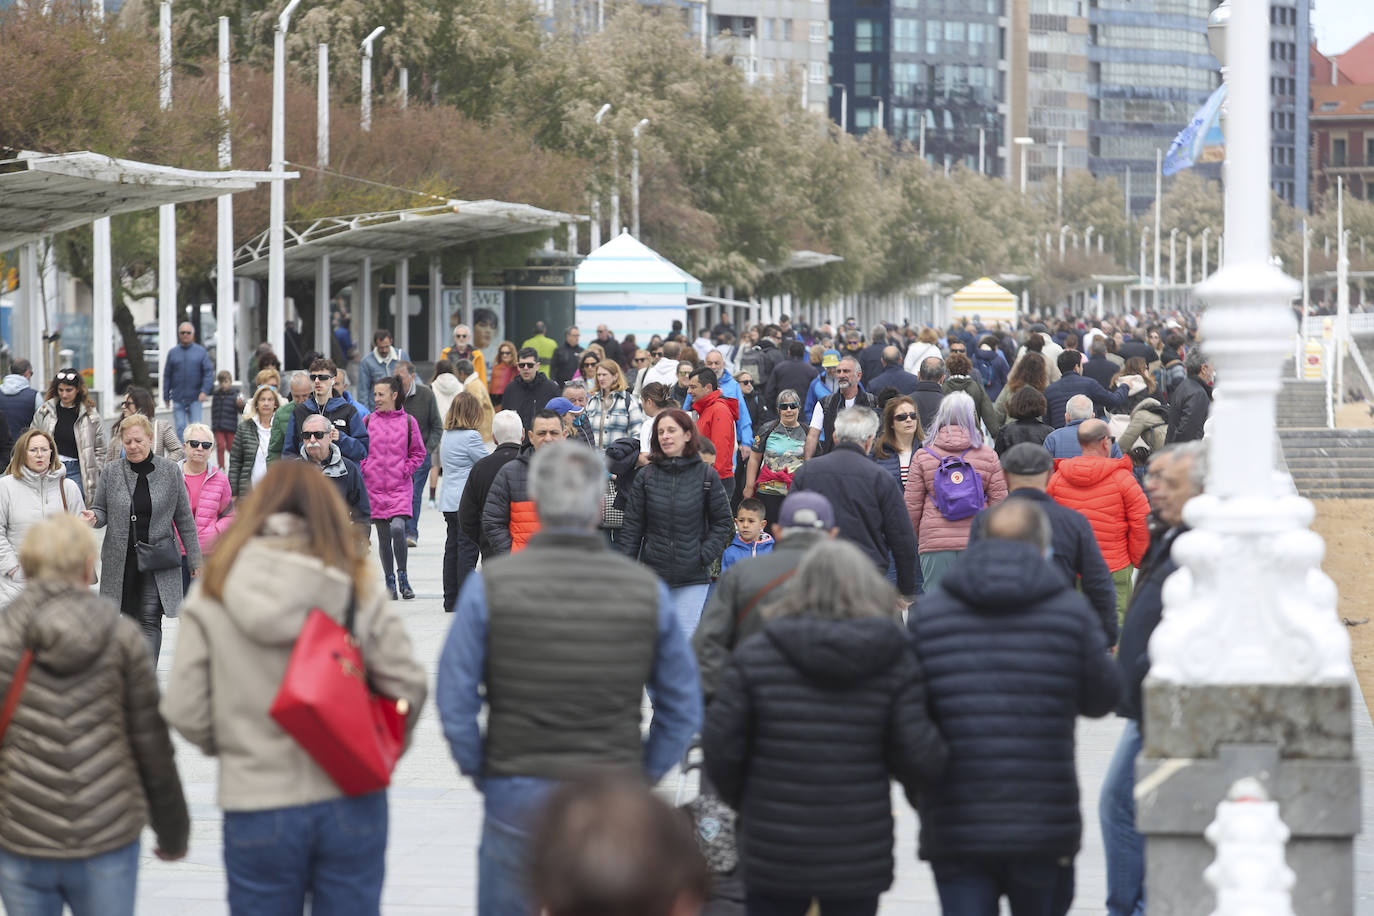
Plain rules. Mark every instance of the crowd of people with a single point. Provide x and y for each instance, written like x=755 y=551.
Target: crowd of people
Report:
x=815 y=548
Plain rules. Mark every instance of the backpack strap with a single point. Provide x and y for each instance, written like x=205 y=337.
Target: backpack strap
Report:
x=758 y=596
x=21 y=675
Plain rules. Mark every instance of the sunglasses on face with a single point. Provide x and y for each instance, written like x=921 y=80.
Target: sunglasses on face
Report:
x=745 y=381
x=321 y=377
x=657 y=352
x=899 y=417
x=641 y=359
x=315 y=433
x=957 y=350
x=528 y=365
x=196 y=443
x=460 y=337
x=127 y=405
x=790 y=405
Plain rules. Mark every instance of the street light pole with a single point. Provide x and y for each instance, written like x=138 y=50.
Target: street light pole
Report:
x=596 y=195
x=367 y=76
x=982 y=150
x=1062 y=231
x=1306 y=295
x=1249 y=613
x=1024 y=143
x=1159 y=206
x=1173 y=256
x=276 y=230
x=1206 y=233
x=634 y=175
x=1059 y=181
x=921 y=147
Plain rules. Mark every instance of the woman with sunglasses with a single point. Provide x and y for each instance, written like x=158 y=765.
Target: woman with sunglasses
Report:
x=69 y=416
x=248 y=457
x=901 y=436
x=502 y=371
x=212 y=500
x=33 y=488
x=140 y=400
x=777 y=454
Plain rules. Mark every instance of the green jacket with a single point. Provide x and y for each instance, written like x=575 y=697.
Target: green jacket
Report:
x=280 y=421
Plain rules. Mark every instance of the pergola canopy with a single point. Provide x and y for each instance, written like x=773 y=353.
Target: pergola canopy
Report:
x=42 y=194
x=394 y=234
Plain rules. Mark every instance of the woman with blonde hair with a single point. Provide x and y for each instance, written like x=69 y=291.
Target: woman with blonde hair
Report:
x=33 y=488
x=69 y=415
x=248 y=457
x=143 y=498
x=87 y=761
x=290 y=834
x=460 y=448
x=212 y=500
x=503 y=370
x=612 y=412
x=140 y=400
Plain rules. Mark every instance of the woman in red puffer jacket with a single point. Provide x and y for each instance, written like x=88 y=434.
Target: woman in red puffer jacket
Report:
x=395 y=452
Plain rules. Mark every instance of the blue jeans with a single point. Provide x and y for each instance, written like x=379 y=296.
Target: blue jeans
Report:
x=419 y=478
x=892 y=573
x=1032 y=886
x=184 y=415
x=688 y=600
x=503 y=884
x=332 y=852
x=102 y=885
x=74 y=472
x=1122 y=843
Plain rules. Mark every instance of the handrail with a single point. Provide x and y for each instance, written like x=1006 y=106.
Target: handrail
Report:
x=1360 y=364
x=1327 y=374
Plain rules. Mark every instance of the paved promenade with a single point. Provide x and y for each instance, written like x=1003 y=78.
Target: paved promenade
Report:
x=436 y=815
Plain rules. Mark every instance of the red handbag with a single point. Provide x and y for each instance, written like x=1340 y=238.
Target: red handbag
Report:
x=327 y=705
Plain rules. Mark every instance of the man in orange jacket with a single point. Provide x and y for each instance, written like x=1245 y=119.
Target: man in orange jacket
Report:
x=1105 y=490
x=716 y=416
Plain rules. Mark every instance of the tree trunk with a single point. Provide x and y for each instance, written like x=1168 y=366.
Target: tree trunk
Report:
x=133 y=347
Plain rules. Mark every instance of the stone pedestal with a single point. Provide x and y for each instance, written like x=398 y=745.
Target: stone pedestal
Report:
x=1295 y=739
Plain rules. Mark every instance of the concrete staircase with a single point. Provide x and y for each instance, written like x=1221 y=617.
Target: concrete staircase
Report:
x=1330 y=463
x=1302 y=404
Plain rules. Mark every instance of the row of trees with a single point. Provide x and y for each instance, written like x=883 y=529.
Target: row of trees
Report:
x=734 y=175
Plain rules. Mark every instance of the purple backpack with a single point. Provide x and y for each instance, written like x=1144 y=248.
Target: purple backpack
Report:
x=958 y=488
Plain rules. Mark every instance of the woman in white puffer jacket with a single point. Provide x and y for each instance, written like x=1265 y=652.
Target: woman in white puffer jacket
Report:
x=35 y=486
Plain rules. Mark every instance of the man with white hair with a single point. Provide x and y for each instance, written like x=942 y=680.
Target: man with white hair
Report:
x=318 y=437
x=866 y=499
x=1063 y=442
x=508 y=432
x=578 y=710
x=463 y=348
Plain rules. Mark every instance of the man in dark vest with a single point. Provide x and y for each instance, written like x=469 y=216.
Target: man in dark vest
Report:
x=820 y=438
x=578 y=709
x=18 y=399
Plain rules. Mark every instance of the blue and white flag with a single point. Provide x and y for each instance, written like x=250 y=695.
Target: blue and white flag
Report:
x=1201 y=140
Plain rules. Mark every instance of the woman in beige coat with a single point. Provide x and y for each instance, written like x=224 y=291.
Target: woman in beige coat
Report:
x=69 y=415
x=34 y=487
x=282 y=814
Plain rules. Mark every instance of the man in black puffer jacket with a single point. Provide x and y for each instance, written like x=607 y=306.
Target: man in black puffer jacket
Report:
x=812 y=718
x=1006 y=818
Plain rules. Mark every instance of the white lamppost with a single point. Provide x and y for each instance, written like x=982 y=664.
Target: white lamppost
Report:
x=634 y=174
x=367 y=76
x=1306 y=295
x=276 y=227
x=1249 y=613
x=596 y=195
x=167 y=213
x=1173 y=256
x=1206 y=233
x=1024 y=143
x=1063 y=230
x=1059 y=180
x=921 y=141
x=1088 y=239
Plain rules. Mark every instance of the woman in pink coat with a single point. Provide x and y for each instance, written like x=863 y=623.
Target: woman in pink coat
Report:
x=953 y=432
x=212 y=500
x=395 y=451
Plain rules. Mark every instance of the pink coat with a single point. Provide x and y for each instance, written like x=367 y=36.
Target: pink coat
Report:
x=214 y=511
x=933 y=530
x=395 y=451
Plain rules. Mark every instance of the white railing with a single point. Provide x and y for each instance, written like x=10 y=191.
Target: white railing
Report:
x=1328 y=374
x=1250 y=875
x=1360 y=365
x=1299 y=355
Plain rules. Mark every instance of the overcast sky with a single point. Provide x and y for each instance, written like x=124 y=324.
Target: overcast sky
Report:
x=1338 y=24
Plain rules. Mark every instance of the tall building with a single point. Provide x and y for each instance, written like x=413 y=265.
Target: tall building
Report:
x=777 y=40
x=929 y=71
x=1290 y=35
x=1343 y=138
x=1049 y=86
x=1149 y=69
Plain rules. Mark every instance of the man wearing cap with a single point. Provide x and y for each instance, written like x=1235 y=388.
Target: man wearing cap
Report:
x=1027 y=467
x=734 y=611
x=508 y=516
x=824 y=384
x=570 y=410
x=1105 y=490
